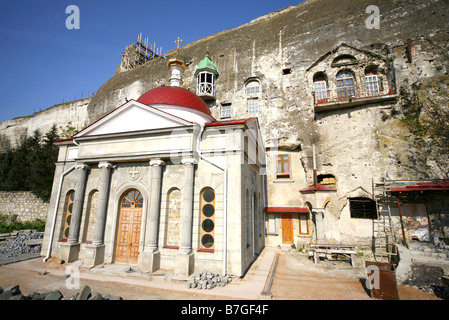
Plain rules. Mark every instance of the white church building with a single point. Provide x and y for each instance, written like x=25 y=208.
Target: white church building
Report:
x=159 y=183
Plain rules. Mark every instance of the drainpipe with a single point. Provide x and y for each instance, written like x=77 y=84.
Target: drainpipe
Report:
x=225 y=209
x=264 y=199
x=56 y=211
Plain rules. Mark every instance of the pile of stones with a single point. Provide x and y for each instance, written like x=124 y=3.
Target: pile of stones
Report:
x=207 y=280
x=14 y=293
x=17 y=246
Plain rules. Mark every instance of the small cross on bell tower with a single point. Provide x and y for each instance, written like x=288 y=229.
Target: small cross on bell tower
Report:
x=178 y=41
x=177 y=67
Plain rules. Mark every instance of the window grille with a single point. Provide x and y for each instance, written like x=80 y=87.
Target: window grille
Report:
x=253 y=105
x=362 y=208
x=226 y=111
x=372 y=86
x=320 y=90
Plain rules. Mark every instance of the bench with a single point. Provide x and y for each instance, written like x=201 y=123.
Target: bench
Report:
x=33 y=242
x=330 y=249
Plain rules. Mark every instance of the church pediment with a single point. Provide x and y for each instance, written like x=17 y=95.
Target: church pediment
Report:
x=130 y=117
x=346 y=55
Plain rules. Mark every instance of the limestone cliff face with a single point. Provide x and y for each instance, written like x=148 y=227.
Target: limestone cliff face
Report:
x=14 y=131
x=365 y=138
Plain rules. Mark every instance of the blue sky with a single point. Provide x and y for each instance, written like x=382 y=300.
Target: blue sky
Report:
x=43 y=63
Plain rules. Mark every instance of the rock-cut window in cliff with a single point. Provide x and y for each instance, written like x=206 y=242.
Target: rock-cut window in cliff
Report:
x=362 y=208
x=253 y=90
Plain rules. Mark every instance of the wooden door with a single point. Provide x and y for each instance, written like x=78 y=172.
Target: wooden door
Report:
x=287 y=228
x=128 y=236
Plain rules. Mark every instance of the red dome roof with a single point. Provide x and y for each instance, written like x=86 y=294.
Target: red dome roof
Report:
x=174 y=96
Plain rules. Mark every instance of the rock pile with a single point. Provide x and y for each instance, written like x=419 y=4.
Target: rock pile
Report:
x=14 y=293
x=207 y=280
x=18 y=246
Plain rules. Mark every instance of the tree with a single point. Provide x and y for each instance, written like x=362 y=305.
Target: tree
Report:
x=30 y=167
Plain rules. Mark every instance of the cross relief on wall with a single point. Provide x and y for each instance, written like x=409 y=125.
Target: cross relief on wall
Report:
x=133 y=173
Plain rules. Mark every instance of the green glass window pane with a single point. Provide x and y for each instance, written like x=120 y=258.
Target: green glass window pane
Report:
x=208 y=225
x=208 y=210
x=66 y=232
x=207 y=241
x=209 y=195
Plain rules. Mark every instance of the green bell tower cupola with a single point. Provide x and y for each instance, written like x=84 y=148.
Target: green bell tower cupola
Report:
x=206 y=75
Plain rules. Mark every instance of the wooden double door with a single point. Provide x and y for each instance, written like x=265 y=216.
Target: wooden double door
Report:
x=128 y=235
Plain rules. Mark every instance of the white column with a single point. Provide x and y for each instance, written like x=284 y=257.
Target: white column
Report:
x=150 y=258
x=80 y=188
x=70 y=251
x=155 y=204
x=319 y=213
x=102 y=204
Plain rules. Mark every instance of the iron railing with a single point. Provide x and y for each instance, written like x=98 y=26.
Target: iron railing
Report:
x=354 y=92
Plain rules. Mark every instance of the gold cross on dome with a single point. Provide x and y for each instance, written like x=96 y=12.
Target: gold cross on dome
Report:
x=178 y=42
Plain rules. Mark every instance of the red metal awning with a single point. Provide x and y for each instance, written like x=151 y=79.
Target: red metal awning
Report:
x=287 y=209
x=438 y=185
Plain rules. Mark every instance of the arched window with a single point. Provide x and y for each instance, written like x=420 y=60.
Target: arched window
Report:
x=345 y=85
x=320 y=87
x=133 y=199
x=68 y=209
x=371 y=80
x=252 y=90
x=207 y=240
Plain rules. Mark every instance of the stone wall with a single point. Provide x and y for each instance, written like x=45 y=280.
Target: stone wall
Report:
x=24 y=204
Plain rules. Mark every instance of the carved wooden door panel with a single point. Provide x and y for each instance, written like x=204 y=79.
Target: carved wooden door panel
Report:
x=128 y=235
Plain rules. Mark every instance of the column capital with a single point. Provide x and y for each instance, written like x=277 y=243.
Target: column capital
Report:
x=318 y=210
x=157 y=162
x=81 y=166
x=189 y=161
x=105 y=165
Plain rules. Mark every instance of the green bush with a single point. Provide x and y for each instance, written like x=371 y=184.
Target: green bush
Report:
x=7 y=226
